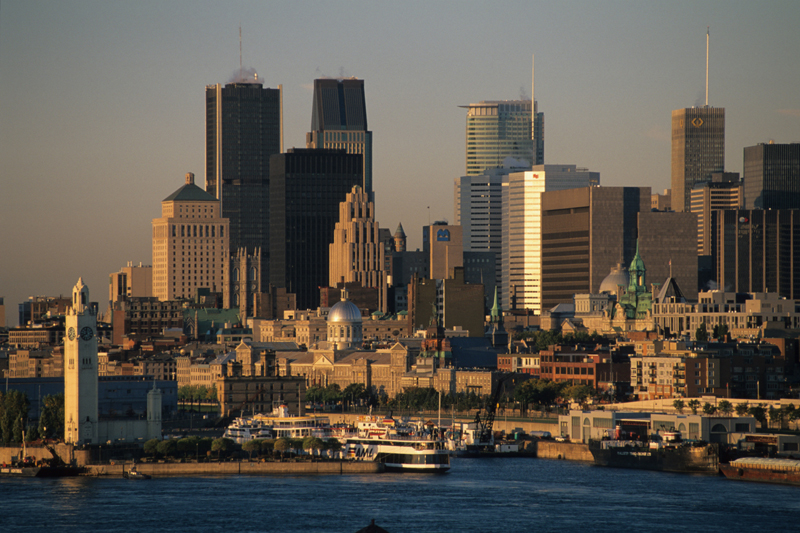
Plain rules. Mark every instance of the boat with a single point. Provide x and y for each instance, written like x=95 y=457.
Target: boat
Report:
x=399 y=447
x=766 y=470
x=276 y=425
x=25 y=466
x=669 y=454
x=135 y=474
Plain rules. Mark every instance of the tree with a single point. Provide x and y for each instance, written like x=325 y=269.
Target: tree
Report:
x=220 y=445
x=267 y=446
x=311 y=444
x=775 y=416
x=251 y=446
x=334 y=445
x=14 y=407
x=167 y=447
x=151 y=446
x=678 y=405
x=51 y=418
x=725 y=407
x=282 y=445
x=694 y=405
x=355 y=392
x=709 y=409
x=742 y=408
x=578 y=393
x=701 y=334
x=188 y=446
x=759 y=413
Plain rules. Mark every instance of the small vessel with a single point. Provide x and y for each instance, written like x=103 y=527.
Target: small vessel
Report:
x=670 y=454
x=135 y=474
x=25 y=466
x=400 y=447
x=766 y=470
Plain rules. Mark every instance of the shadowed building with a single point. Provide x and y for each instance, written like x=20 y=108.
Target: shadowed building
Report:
x=772 y=176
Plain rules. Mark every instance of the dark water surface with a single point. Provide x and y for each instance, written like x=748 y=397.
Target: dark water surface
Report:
x=482 y=495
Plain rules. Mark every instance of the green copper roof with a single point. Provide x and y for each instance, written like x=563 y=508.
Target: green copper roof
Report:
x=190 y=193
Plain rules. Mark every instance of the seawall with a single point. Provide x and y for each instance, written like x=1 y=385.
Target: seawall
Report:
x=238 y=468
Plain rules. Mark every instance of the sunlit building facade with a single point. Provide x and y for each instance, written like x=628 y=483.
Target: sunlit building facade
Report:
x=698 y=150
x=521 y=282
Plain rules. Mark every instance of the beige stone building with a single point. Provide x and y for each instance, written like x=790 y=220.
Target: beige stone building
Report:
x=357 y=253
x=190 y=244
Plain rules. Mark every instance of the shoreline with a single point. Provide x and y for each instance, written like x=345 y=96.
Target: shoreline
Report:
x=235 y=468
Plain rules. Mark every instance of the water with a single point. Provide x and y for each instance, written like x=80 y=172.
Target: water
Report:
x=481 y=495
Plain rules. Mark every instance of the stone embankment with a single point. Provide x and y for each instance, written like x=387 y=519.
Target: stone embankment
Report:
x=237 y=468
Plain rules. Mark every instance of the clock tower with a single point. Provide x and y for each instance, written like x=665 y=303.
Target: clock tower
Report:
x=80 y=369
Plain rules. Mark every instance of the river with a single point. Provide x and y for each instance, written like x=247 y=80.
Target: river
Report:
x=480 y=495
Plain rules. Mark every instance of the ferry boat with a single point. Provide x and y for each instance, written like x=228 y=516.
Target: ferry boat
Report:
x=400 y=447
x=766 y=470
x=671 y=454
x=279 y=424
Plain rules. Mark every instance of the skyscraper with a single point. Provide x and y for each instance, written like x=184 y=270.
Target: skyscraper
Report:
x=522 y=261
x=722 y=191
x=500 y=129
x=357 y=252
x=306 y=188
x=772 y=176
x=190 y=244
x=698 y=150
x=244 y=127
x=339 y=121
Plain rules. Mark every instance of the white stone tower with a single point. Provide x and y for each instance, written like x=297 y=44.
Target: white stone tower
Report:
x=80 y=369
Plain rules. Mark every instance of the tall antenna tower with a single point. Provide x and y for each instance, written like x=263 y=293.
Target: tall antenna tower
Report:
x=708 y=32
x=533 y=104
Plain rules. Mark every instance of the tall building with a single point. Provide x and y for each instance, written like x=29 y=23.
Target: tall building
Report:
x=772 y=176
x=758 y=251
x=585 y=232
x=306 y=188
x=131 y=281
x=698 y=150
x=357 y=252
x=521 y=282
x=339 y=121
x=445 y=248
x=80 y=370
x=244 y=127
x=722 y=191
x=190 y=244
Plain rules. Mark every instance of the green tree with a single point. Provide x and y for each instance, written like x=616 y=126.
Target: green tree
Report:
x=313 y=444
x=759 y=413
x=790 y=413
x=332 y=394
x=578 y=393
x=709 y=409
x=267 y=446
x=151 y=447
x=694 y=405
x=220 y=445
x=334 y=445
x=251 y=446
x=725 y=407
x=315 y=394
x=701 y=335
x=167 y=447
x=188 y=446
x=355 y=392
x=678 y=405
x=51 y=418
x=211 y=394
x=775 y=416
x=742 y=408
x=283 y=445
x=14 y=407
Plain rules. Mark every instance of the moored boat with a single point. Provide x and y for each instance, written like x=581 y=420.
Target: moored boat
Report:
x=279 y=424
x=670 y=454
x=762 y=469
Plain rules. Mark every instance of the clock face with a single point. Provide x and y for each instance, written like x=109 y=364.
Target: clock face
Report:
x=71 y=334
x=87 y=333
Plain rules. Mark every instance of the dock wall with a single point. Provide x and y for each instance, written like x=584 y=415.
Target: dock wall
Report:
x=238 y=468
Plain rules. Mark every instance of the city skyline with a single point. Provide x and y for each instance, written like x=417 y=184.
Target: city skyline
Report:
x=104 y=108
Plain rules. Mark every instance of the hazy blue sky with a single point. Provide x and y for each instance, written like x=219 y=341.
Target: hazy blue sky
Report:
x=102 y=103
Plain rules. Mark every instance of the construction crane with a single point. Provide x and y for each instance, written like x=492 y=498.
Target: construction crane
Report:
x=484 y=424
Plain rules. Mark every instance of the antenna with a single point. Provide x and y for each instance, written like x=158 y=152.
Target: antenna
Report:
x=708 y=32
x=240 y=59
x=533 y=106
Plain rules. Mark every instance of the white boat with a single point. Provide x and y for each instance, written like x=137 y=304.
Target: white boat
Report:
x=279 y=424
x=400 y=447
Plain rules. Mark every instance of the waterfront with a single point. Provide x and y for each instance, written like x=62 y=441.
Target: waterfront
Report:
x=481 y=495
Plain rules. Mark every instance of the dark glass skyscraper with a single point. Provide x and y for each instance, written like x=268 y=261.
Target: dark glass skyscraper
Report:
x=306 y=187
x=244 y=127
x=772 y=176
x=339 y=121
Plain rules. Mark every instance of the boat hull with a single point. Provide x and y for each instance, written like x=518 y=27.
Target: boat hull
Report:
x=692 y=459
x=397 y=457
x=39 y=471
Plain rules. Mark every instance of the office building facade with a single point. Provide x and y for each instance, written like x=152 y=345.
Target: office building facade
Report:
x=339 y=121
x=521 y=282
x=244 y=127
x=500 y=129
x=758 y=251
x=772 y=176
x=306 y=188
x=190 y=244
x=722 y=191
x=698 y=150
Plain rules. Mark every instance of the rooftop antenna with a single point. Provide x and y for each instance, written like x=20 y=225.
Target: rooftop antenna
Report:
x=533 y=104
x=240 y=60
x=708 y=32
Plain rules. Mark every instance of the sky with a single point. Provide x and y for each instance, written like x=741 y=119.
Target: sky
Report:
x=102 y=103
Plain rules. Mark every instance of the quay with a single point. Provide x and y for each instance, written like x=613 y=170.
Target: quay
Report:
x=235 y=468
